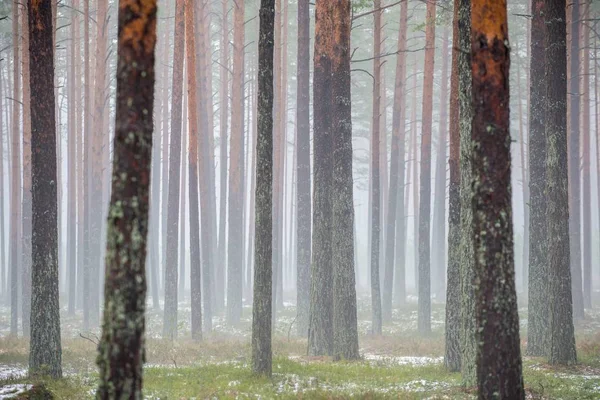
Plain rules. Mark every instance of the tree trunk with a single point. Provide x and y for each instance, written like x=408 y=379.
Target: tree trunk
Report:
x=45 y=347
x=345 y=325
x=195 y=270
x=375 y=173
x=414 y=178
x=26 y=262
x=236 y=159
x=499 y=369
x=263 y=250
x=424 y=287
x=574 y=165
x=585 y=168
x=170 y=311
x=320 y=328
x=183 y=245
x=122 y=352
x=399 y=132
x=439 y=210
x=87 y=123
x=452 y=356
x=221 y=263
x=15 y=204
x=562 y=336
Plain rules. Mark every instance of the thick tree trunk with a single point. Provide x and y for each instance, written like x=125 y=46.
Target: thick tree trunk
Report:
x=345 y=325
x=452 y=356
x=122 y=352
x=303 y=174
x=424 y=286
x=195 y=263
x=538 y=296
x=15 y=204
x=399 y=131
x=499 y=369
x=45 y=347
x=574 y=167
x=236 y=159
x=320 y=330
x=439 y=210
x=26 y=261
x=562 y=337
x=171 y=295
x=263 y=250
x=375 y=174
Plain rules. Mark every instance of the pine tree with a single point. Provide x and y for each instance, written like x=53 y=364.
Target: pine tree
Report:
x=263 y=249
x=45 y=346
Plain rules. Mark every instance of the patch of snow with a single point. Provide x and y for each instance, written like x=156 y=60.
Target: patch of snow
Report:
x=14 y=390
x=12 y=372
x=407 y=360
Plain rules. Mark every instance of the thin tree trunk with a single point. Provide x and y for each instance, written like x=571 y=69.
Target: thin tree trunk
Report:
x=171 y=295
x=45 y=347
x=87 y=122
x=499 y=369
x=562 y=336
x=375 y=174
x=424 y=287
x=303 y=174
x=122 y=346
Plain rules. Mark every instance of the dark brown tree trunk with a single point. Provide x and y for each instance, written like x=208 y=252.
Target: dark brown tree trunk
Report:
x=236 y=159
x=375 y=174
x=303 y=174
x=452 y=356
x=195 y=263
x=263 y=250
x=170 y=311
x=424 y=286
x=320 y=328
x=574 y=166
x=45 y=347
x=499 y=369
x=345 y=327
x=561 y=331
x=538 y=296
x=122 y=352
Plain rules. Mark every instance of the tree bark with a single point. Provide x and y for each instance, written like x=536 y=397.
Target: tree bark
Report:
x=122 y=352
x=236 y=159
x=424 y=287
x=170 y=311
x=320 y=330
x=45 y=347
x=375 y=174
x=452 y=356
x=499 y=369
x=263 y=250
x=345 y=326
x=562 y=337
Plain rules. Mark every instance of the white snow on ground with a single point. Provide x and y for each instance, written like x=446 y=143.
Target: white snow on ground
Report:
x=12 y=372
x=413 y=361
x=12 y=391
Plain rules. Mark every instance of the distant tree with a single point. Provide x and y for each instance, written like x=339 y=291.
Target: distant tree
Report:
x=561 y=330
x=170 y=311
x=574 y=163
x=452 y=355
x=85 y=178
x=345 y=327
x=303 y=174
x=537 y=316
x=499 y=370
x=424 y=286
x=121 y=349
x=375 y=173
x=45 y=346
x=236 y=159
x=320 y=328
x=263 y=250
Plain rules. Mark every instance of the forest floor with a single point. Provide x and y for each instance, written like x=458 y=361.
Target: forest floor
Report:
x=399 y=364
